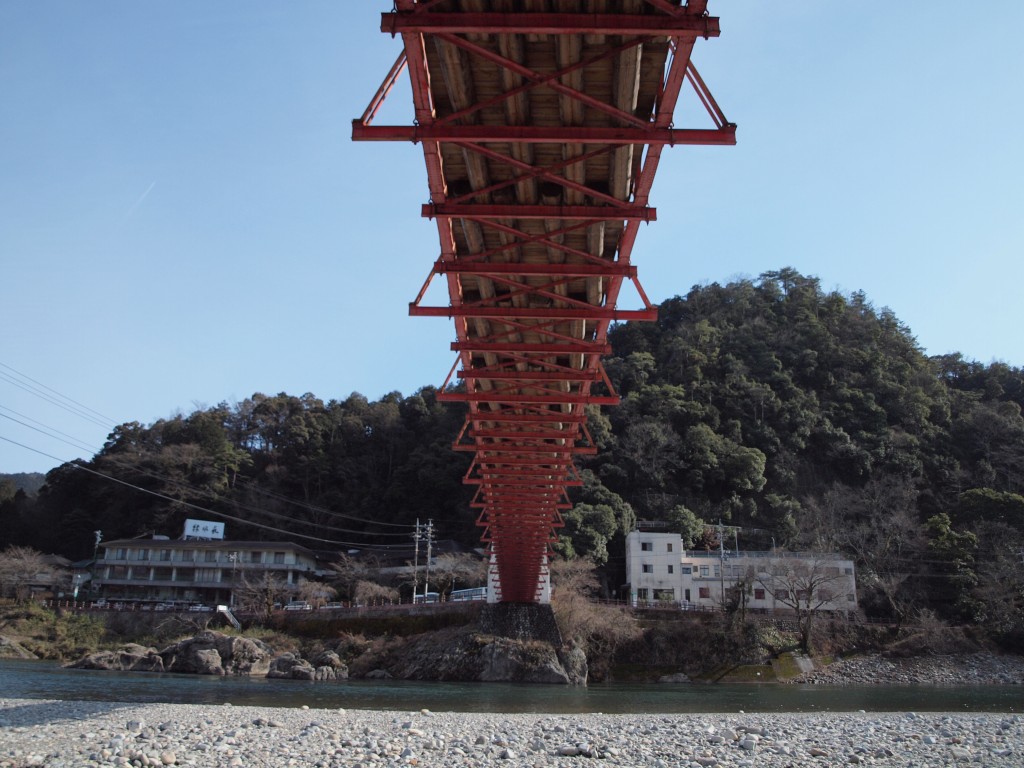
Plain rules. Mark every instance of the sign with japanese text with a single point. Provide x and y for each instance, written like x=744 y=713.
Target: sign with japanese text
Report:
x=203 y=529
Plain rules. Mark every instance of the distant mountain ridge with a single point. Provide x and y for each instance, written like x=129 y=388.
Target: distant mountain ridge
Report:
x=29 y=482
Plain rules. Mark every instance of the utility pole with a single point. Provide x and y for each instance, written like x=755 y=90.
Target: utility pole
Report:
x=721 y=559
x=95 y=553
x=430 y=541
x=416 y=561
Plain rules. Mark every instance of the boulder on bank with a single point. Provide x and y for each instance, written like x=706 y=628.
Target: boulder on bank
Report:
x=329 y=666
x=288 y=666
x=128 y=658
x=10 y=649
x=214 y=653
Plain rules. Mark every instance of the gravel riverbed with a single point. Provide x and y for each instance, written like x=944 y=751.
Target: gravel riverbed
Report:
x=959 y=669
x=79 y=734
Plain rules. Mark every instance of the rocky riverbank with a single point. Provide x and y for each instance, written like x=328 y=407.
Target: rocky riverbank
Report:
x=457 y=654
x=64 y=734
x=958 y=669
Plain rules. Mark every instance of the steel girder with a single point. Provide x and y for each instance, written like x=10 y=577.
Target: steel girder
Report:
x=541 y=134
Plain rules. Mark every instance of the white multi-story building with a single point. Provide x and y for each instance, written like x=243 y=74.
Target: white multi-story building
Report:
x=203 y=571
x=660 y=571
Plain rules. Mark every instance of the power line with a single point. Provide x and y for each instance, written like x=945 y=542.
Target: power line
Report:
x=248 y=507
x=190 y=505
x=66 y=403
x=44 y=430
x=217 y=513
x=157 y=476
x=47 y=430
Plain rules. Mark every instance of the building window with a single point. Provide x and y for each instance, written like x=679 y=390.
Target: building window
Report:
x=188 y=556
x=211 y=556
x=121 y=554
x=647 y=568
x=143 y=554
x=704 y=593
x=782 y=594
x=255 y=557
x=641 y=594
x=686 y=569
x=849 y=597
x=161 y=574
x=206 y=575
x=185 y=574
x=668 y=547
x=117 y=572
x=646 y=546
x=849 y=571
x=665 y=595
x=704 y=571
x=165 y=555
x=279 y=558
x=759 y=594
x=671 y=569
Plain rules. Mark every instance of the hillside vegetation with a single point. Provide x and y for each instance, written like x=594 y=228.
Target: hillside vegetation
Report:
x=807 y=418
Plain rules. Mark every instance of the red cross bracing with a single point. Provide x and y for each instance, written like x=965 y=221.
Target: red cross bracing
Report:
x=542 y=124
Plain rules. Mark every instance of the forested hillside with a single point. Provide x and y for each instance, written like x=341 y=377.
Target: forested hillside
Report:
x=807 y=418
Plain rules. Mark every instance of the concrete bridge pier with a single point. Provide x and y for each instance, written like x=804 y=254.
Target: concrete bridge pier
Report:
x=521 y=621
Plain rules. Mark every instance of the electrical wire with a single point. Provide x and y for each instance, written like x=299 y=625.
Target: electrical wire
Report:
x=190 y=505
x=257 y=510
x=76 y=408
x=43 y=429
x=252 y=486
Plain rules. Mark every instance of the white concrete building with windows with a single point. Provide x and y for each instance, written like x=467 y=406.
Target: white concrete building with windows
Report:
x=661 y=572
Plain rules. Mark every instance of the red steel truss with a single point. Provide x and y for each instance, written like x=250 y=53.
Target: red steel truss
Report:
x=542 y=124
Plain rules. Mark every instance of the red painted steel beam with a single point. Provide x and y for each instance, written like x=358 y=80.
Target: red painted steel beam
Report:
x=541 y=313
x=551 y=24
x=523 y=134
x=551 y=463
x=553 y=376
x=612 y=269
x=566 y=212
x=568 y=348
x=562 y=434
x=525 y=418
x=512 y=483
x=512 y=397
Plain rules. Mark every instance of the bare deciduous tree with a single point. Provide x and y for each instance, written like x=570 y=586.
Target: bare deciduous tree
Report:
x=258 y=593
x=808 y=587
x=316 y=593
x=20 y=568
x=879 y=526
x=367 y=592
x=463 y=569
x=348 y=571
x=597 y=629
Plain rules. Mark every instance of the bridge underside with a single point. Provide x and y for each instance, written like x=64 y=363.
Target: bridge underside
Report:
x=542 y=130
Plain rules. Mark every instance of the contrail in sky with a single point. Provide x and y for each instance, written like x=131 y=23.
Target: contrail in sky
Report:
x=139 y=202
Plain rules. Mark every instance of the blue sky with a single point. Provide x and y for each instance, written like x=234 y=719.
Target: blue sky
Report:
x=184 y=220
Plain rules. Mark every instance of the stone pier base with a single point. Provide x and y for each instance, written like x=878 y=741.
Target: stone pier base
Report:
x=521 y=621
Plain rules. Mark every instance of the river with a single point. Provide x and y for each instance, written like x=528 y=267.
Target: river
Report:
x=48 y=680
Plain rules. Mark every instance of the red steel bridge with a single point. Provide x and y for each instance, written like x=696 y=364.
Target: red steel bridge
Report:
x=542 y=124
